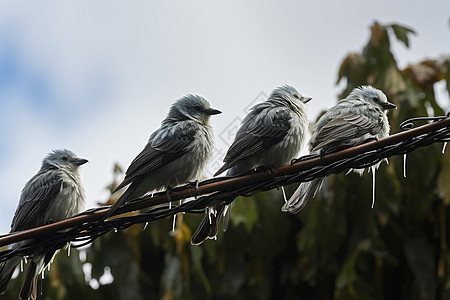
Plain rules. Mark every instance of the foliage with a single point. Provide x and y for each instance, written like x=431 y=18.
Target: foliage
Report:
x=336 y=248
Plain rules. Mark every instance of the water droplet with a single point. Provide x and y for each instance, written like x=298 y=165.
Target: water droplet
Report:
x=174 y=222
x=145 y=226
x=82 y=255
x=225 y=210
x=21 y=265
x=107 y=277
x=94 y=284
x=42 y=288
x=68 y=248
x=443 y=148
x=209 y=212
x=43 y=274
x=373 y=169
x=170 y=205
x=284 y=194
x=404 y=165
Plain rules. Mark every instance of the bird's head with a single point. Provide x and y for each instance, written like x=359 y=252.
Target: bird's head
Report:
x=288 y=95
x=63 y=158
x=192 y=107
x=373 y=96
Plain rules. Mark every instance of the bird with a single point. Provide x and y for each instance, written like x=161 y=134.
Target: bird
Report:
x=358 y=118
x=271 y=135
x=55 y=193
x=176 y=153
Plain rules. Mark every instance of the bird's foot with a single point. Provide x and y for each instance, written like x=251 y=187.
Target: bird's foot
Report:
x=304 y=157
x=168 y=190
x=368 y=140
x=266 y=170
x=193 y=184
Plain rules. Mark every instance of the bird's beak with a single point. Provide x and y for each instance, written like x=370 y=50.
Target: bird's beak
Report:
x=306 y=99
x=212 y=111
x=79 y=161
x=388 y=105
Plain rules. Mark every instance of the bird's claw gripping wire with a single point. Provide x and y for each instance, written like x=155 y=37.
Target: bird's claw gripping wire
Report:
x=303 y=158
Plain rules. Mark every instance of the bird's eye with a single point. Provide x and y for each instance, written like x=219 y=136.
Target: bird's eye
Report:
x=376 y=99
x=65 y=158
x=297 y=96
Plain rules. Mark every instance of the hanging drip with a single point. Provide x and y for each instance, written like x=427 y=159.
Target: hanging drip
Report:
x=373 y=169
x=174 y=222
x=404 y=165
x=284 y=194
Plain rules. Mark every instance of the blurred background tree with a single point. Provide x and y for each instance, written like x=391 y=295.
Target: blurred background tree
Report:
x=335 y=248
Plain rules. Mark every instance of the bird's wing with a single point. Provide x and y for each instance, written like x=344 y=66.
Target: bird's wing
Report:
x=163 y=148
x=35 y=199
x=345 y=127
x=265 y=132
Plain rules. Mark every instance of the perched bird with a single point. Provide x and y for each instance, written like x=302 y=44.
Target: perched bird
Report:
x=55 y=193
x=270 y=136
x=354 y=120
x=176 y=153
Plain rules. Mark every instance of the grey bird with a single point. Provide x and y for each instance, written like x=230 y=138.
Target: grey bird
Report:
x=55 y=193
x=176 y=153
x=271 y=135
x=358 y=118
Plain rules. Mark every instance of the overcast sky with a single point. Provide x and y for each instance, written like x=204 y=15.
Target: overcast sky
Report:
x=97 y=77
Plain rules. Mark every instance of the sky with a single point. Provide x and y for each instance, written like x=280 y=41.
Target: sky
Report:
x=97 y=77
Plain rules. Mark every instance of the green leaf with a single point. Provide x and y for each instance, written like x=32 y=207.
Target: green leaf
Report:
x=171 y=277
x=196 y=256
x=401 y=33
x=420 y=257
x=443 y=183
x=244 y=212
x=348 y=275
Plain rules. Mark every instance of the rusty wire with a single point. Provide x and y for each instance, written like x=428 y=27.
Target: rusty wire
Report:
x=89 y=225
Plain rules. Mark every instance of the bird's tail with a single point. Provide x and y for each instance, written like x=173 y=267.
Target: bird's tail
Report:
x=122 y=199
x=304 y=192
x=209 y=226
x=37 y=265
x=6 y=271
x=29 y=287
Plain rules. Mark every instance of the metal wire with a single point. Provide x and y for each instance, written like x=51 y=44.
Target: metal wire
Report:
x=89 y=225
